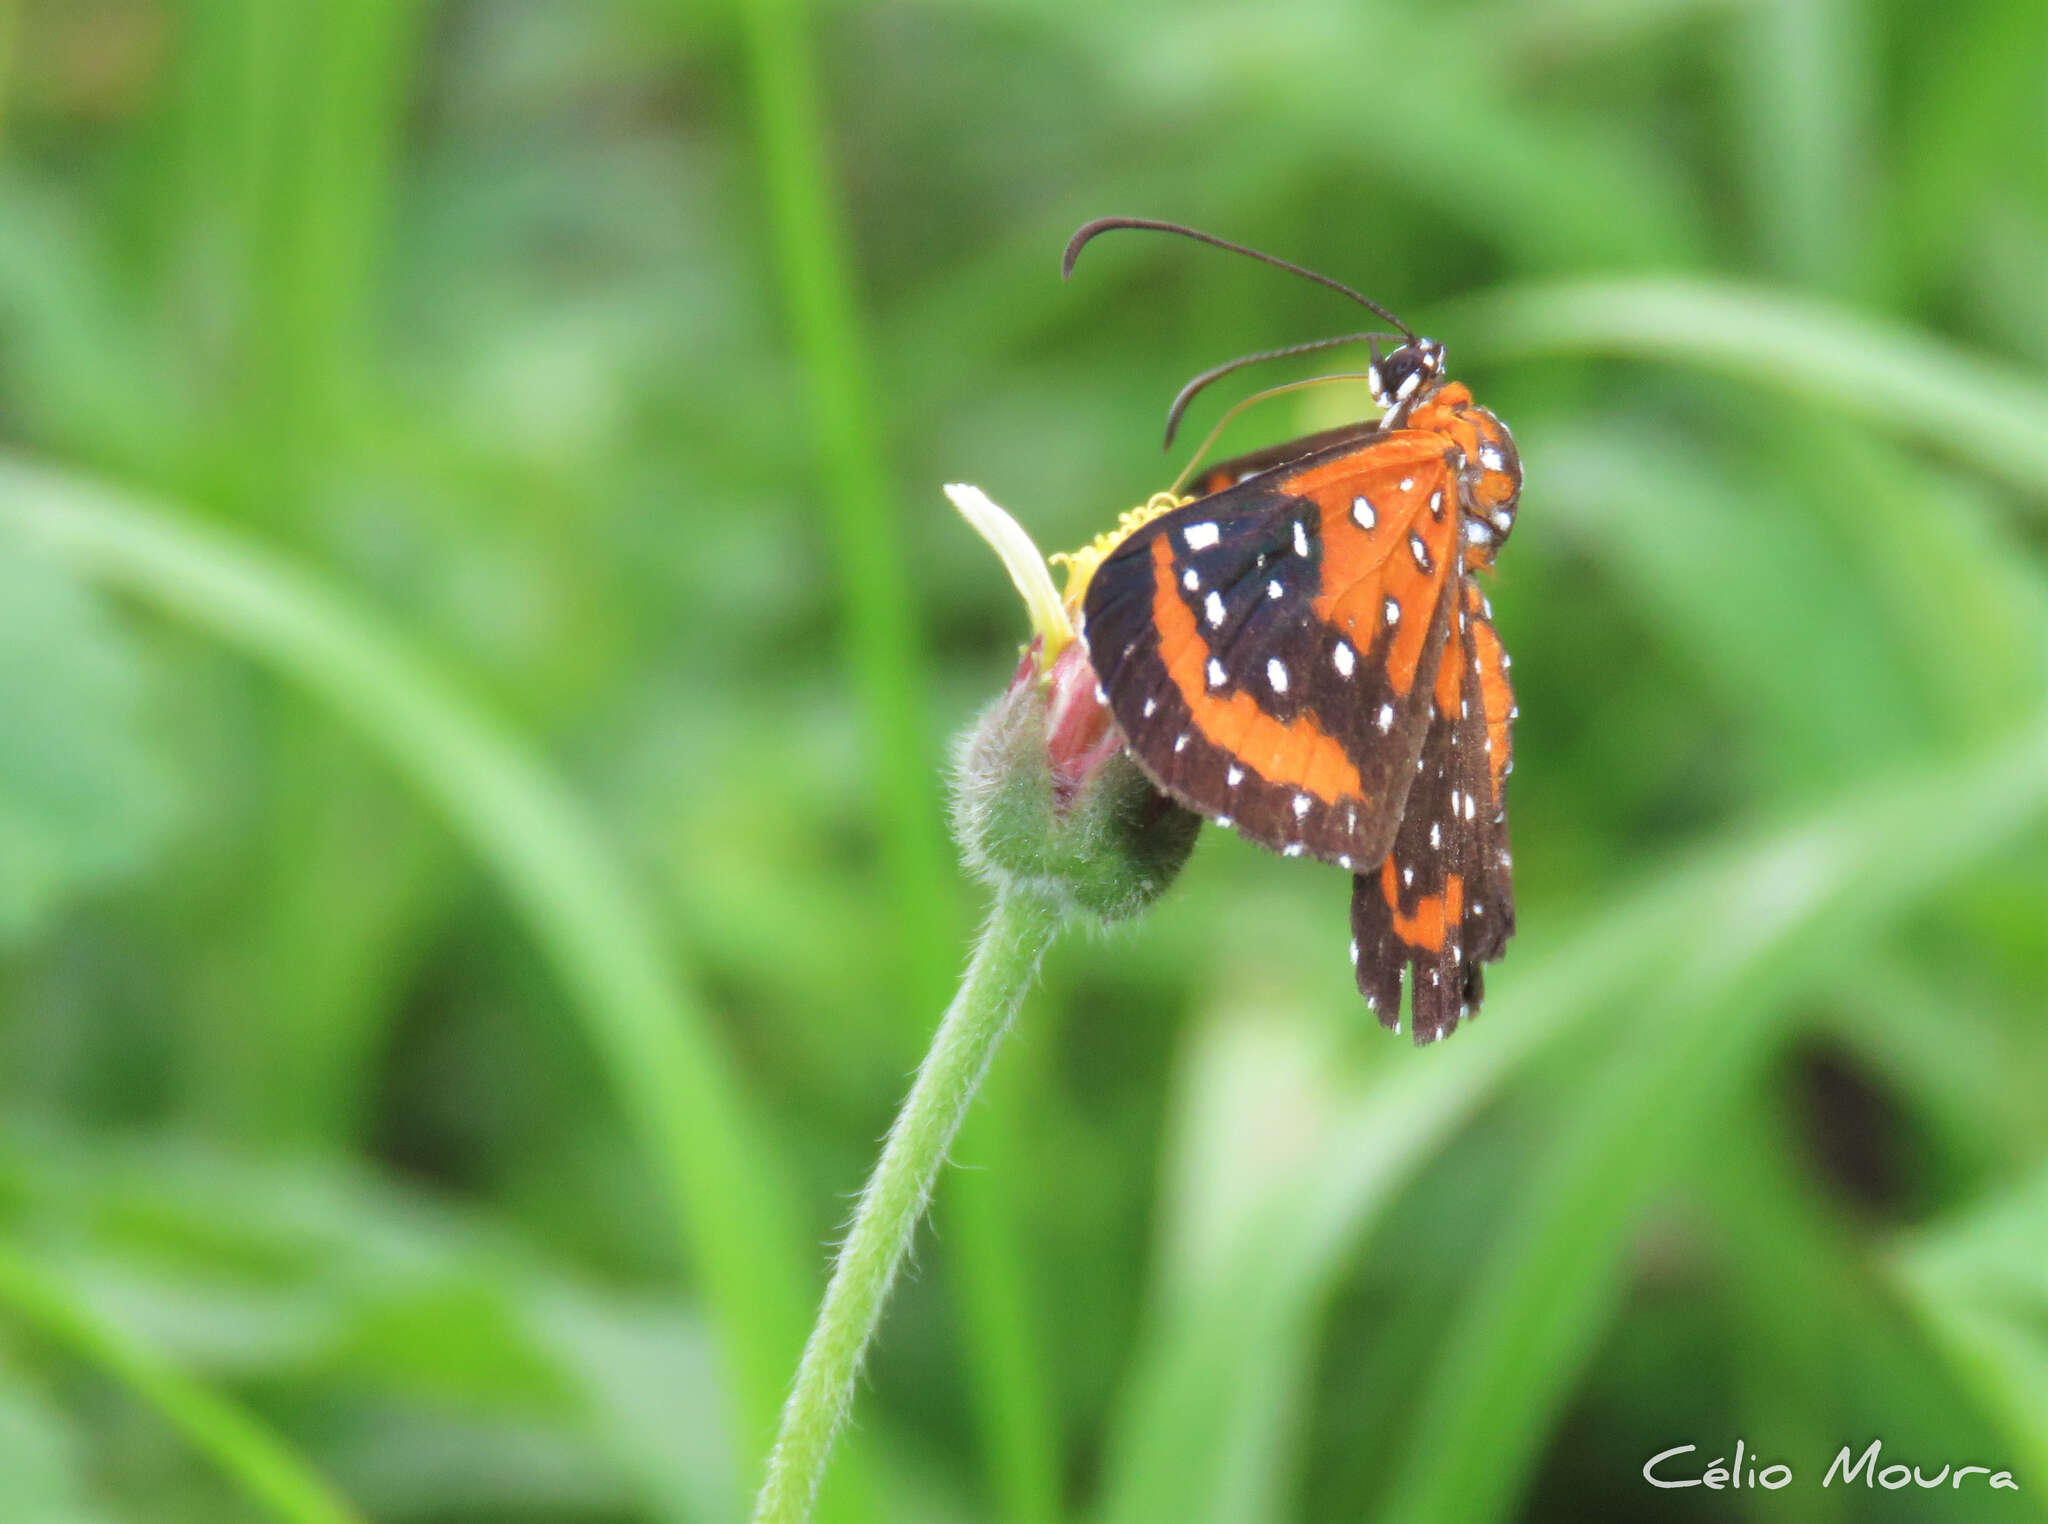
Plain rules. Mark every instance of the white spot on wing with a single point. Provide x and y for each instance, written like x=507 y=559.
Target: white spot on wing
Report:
x=1151 y=707
x=1393 y=611
x=1301 y=804
x=1385 y=719
x=1191 y=579
x=1180 y=742
x=1361 y=512
x=1300 y=538
x=1201 y=536
x=1212 y=609
x=1491 y=458
x=1217 y=676
x=1276 y=674
x=1292 y=849
x=1345 y=659
x=1274 y=589
x=1235 y=776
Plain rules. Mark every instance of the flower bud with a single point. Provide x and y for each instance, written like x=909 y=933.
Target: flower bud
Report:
x=1045 y=795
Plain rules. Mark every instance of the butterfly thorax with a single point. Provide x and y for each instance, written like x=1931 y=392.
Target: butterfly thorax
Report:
x=1481 y=455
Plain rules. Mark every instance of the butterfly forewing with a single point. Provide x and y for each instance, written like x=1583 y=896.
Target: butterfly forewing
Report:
x=1242 y=468
x=1269 y=650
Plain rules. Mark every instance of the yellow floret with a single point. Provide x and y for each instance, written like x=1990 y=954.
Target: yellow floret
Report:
x=1080 y=564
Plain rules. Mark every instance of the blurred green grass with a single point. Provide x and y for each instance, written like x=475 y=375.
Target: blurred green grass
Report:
x=478 y=630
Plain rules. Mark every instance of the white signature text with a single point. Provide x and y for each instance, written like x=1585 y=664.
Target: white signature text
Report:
x=1666 y=1469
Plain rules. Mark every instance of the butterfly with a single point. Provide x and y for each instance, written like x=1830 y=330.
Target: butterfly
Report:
x=1302 y=653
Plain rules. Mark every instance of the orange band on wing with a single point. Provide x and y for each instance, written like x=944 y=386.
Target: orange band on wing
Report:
x=1433 y=916
x=1450 y=674
x=1364 y=569
x=1270 y=747
x=1357 y=612
x=1496 y=698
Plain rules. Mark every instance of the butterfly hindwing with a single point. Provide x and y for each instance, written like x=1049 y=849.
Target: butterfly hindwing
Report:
x=1441 y=902
x=1490 y=910
x=1268 y=650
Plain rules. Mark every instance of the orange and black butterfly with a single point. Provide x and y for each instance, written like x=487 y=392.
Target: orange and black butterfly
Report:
x=1302 y=654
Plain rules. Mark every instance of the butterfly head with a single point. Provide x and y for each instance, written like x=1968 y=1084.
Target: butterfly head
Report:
x=1402 y=375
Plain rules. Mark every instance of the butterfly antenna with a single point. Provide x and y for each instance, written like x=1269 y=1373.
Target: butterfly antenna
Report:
x=1088 y=231
x=1189 y=392
x=1239 y=406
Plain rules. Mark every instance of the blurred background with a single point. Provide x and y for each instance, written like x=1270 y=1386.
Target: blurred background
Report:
x=479 y=633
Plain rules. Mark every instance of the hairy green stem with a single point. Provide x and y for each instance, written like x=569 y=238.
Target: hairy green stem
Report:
x=1019 y=928
x=889 y=666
